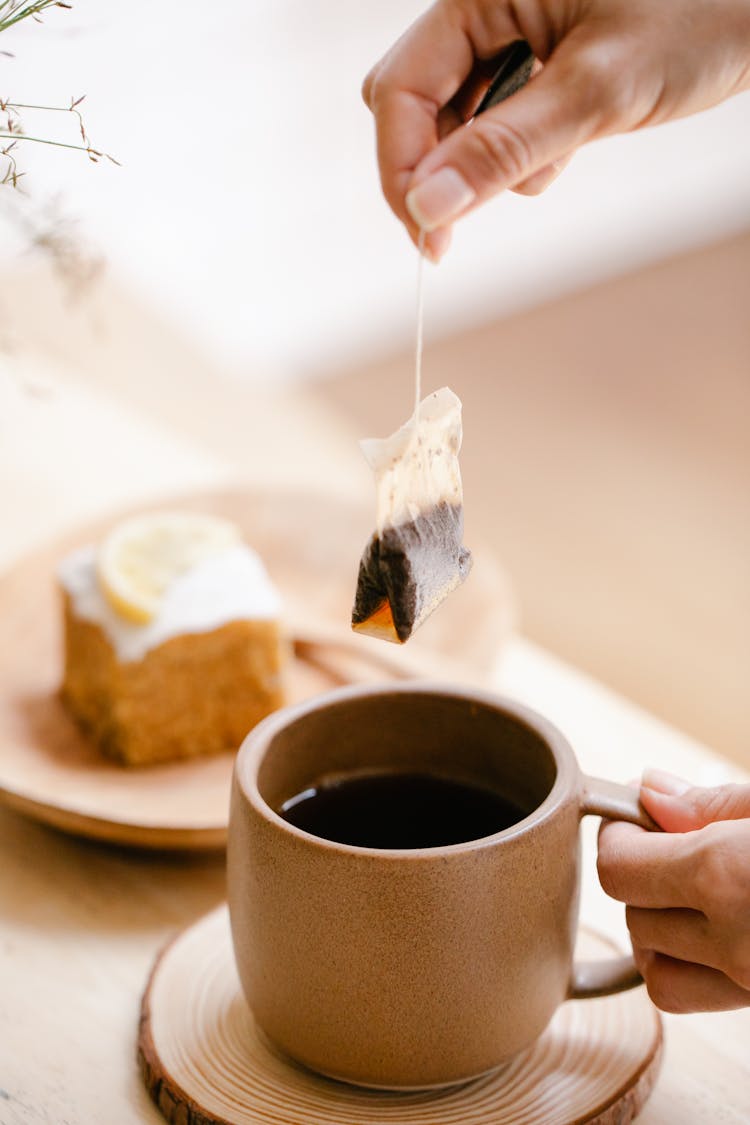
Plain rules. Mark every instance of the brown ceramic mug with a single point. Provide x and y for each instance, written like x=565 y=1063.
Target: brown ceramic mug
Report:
x=424 y=967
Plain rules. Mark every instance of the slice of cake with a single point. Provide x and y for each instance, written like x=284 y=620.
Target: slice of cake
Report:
x=173 y=646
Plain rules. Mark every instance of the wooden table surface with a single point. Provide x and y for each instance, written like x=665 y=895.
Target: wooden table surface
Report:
x=80 y=922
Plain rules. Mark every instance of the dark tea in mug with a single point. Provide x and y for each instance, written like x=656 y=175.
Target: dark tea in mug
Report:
x=399 y=810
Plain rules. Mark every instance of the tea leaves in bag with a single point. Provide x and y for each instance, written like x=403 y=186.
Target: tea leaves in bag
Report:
x=415 y=556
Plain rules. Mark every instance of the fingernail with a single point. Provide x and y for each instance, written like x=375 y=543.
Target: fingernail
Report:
x=439 y=199
x=665 y=783
x=437 y=244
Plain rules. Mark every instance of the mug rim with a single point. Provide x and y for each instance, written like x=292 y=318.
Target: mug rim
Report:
x=252 y=751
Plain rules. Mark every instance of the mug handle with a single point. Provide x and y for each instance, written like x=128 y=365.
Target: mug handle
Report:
x=615 y=802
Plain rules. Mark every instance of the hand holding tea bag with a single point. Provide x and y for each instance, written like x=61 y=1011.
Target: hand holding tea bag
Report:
x=610 y=66
x=415 y=557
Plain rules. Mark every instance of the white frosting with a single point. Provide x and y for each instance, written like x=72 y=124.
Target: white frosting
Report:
x=230 y=586
x=417 y=467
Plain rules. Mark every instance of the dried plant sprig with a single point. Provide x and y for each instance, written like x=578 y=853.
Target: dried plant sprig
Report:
x=11 y=174
x=48 y=232
x=93 y=154
x=14 y=130
x=13 y=11
x=72 y=108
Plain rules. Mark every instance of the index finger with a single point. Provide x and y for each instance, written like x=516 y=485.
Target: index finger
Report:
x=411 y=85
x=650 y=869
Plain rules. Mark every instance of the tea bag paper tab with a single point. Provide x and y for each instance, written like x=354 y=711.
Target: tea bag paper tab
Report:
x=415 y=557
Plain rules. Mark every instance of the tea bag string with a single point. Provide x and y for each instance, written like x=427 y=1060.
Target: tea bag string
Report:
x=420 y=330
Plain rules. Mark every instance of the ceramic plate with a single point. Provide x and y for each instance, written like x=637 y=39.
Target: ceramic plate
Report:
x=311 y=546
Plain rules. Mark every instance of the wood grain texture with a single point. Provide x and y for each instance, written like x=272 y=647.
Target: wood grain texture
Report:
x=310 y=544
x=204 y=1061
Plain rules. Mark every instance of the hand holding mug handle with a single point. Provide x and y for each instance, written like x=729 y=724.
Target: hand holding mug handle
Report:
x=615 y=802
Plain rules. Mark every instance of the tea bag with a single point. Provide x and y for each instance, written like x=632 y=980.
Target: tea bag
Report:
x=415 y=557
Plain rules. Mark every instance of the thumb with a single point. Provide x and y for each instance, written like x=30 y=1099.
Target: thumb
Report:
x=677 y=806
x=562 y=107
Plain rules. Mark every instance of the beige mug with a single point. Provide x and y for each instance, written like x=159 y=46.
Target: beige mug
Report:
x=424 y=967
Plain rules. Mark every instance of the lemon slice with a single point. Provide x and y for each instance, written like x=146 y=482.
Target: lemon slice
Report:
x=141 y=557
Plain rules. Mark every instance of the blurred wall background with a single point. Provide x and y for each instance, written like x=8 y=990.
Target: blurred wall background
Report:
x=599 y=335
x=248 y=209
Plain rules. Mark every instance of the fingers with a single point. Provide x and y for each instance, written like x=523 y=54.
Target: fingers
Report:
x=466 y=100
x=407 y=91
x=601 y=75
x=706 y=871
x=426 y=87
x=407 y=126
x=434 y=168
x=678 y=807
x=689 y=935
x=684 y=934
x=647 y=869
x=514 y=141
x=681 y=986
x=542 y=179
x=687 y=892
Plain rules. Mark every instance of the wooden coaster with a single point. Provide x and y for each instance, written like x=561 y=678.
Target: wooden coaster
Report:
x=310 y=545
x=204 y=1061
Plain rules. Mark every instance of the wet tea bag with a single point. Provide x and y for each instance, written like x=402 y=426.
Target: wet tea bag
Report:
x=415 y=557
